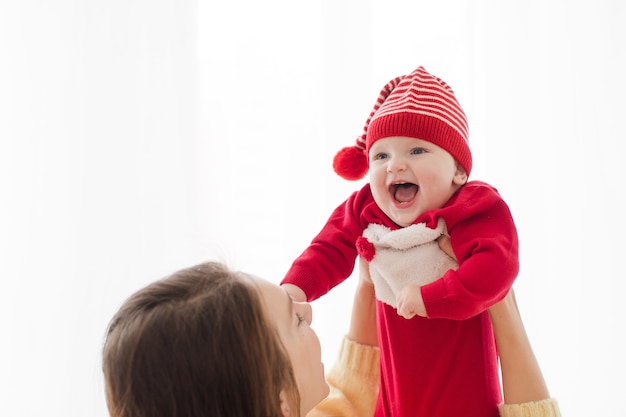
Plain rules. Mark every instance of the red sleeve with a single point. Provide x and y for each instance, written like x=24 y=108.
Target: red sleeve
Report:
x=484 y=240
x=330 y=257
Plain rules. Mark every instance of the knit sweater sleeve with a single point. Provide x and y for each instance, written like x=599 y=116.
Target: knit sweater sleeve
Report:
x=330 y=257
x=484 y=240
x=548 y=407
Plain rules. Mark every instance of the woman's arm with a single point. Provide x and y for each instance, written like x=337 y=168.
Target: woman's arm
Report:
x=363 y=319
x=353 y=378
x=524 y=388
x=522 y=379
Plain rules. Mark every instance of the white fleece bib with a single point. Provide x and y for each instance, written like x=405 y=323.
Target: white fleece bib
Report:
x=409 y=255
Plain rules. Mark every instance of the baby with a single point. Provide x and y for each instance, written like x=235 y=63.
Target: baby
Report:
x=437 y=350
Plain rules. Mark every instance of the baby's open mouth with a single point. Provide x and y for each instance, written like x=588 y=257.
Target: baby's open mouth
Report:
x=404 y=192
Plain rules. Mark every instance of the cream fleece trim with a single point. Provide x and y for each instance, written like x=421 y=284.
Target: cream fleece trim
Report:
x=409 y=255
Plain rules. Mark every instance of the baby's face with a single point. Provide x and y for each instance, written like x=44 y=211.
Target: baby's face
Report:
x=409 y=177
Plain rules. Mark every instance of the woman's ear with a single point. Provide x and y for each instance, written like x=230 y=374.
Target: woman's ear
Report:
x=460 y=176
x=284 y=404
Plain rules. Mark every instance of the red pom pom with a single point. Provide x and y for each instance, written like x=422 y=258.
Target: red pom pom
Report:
x=365 y=248
x=351 y=163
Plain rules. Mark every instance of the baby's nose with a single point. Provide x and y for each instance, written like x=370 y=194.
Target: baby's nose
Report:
x=396 y=164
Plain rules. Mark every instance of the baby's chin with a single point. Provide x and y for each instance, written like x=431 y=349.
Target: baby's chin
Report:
x=402 y=219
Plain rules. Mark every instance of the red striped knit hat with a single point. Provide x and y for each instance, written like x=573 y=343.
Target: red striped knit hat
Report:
x=418 y=105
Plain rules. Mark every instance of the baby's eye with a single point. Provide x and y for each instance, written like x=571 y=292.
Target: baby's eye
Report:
x=300 y=318
x=380 y=156
x=417 y=151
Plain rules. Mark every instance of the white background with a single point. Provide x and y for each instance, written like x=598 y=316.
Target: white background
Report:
x=138 y=137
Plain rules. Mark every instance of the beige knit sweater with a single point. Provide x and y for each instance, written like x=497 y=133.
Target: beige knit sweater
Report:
x=353 y=381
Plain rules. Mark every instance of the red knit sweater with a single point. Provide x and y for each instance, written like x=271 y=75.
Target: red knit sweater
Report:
x=446 y=364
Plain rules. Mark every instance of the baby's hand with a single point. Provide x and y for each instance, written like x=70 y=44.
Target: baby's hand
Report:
x=295 y=292
x=444 y=244
x=410 y=303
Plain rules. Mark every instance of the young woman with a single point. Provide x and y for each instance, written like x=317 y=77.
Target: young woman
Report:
x=208 y=341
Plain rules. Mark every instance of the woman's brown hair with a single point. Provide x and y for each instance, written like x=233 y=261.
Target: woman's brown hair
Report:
x=196 y=344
